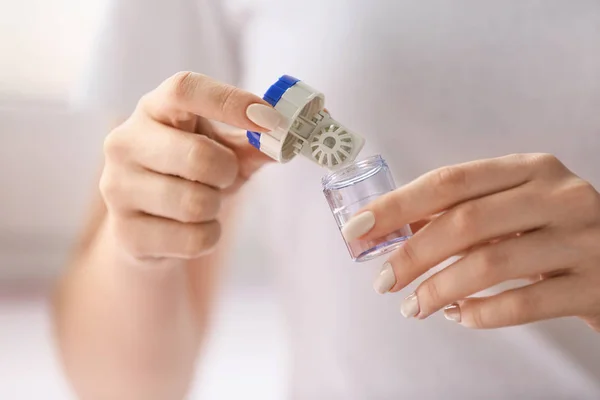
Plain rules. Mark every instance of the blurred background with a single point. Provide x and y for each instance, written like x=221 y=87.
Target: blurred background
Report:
x=44 y=47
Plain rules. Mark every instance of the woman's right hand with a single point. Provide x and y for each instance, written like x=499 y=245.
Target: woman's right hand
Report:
x=168 y=169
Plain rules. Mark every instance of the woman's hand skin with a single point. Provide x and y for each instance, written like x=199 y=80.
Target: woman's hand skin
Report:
x=520 y=216
x=168 y=169
x=128 y=330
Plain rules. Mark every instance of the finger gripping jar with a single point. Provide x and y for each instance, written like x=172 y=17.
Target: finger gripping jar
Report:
x=350 y=189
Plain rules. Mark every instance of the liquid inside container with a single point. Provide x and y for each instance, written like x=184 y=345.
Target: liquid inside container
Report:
x=350 y=189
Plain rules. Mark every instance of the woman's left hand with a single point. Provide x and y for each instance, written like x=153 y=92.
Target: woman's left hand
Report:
x=520 y=216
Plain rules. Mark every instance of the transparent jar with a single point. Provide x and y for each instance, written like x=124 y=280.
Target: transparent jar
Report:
x=351 y=188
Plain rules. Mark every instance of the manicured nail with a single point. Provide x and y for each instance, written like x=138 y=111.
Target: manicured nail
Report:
x=358 y=225
x=452 y=312
x=410 y=306
x=264 y=116
x=385 y=280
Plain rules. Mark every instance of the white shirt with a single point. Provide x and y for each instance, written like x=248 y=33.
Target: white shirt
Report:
x=427 y=84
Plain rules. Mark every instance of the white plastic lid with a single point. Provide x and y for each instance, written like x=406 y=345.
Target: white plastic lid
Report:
x=307 y=129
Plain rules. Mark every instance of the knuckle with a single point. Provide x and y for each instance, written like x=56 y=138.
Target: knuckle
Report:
x=489 y=262
x=149 y=100
x=211 y=204
x=202 y=239
x=407 y=255
x=577 y=201
x=207 y=160
x=545 y=159
x=182 y=85
x=517 y=308
x=464 y=219
x=211 y=236
x=546 y=162
x=198 y=157
x=144 y=99
x=450 y=179
x=191 y=206
x=390 y=202
x=526 y=161
x=477 y=317
x=226 y=98
x=519 y=158
x=198 y=204
x=115 y=146
x=110 y=187
x=229 y=167
x=430 y=293
x=586 y=198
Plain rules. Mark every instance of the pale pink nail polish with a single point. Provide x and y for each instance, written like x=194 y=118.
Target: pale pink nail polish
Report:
x=264 y=116
x=452 y=313
x=410 y=306
x=385 y=279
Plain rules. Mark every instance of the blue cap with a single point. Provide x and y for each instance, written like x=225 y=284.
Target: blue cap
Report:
x=272 y=96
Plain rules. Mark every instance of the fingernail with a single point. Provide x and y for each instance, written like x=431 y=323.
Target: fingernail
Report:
x=264 y=116
x=452 y=312
x=410 y=306
x=358 y=225
x=385 y=280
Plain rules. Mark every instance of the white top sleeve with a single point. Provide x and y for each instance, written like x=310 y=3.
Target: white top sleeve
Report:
x=143 y=42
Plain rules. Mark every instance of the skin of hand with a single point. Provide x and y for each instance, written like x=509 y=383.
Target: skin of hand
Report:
x=523 y=216
x=168 y=169
x=132 y=308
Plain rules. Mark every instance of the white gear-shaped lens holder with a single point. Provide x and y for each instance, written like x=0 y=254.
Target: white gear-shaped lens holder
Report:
x=307 y=128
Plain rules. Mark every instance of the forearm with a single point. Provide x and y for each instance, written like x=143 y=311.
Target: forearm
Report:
x=126 y=330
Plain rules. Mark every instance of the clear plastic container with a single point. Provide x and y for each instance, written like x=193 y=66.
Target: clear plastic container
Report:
x=353 y=187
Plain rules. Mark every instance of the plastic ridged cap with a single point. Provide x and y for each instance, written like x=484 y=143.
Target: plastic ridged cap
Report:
x=307 y=128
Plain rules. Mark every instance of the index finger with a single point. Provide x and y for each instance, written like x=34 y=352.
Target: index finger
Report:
x=193 y=93
x=436 y=192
